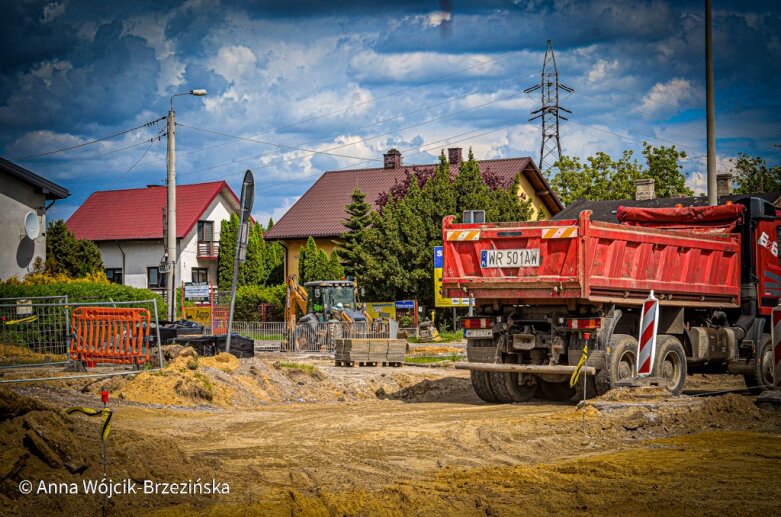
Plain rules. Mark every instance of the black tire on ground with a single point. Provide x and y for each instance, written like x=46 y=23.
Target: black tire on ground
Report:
x=762 y=378
x=670 y=363
x=520 y=392
x=623 y=358
x=558 y=391
x=482 y=387
x=499 y=387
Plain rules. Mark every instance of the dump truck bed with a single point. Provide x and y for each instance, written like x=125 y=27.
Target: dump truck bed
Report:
x=582 y=260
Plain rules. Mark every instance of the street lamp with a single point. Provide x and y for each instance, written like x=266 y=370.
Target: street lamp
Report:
x=171 y=254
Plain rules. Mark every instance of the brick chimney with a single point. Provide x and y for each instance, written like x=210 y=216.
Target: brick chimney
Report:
x=723 y=184
x=644 y=189
x=455 y=156
x=392 y=159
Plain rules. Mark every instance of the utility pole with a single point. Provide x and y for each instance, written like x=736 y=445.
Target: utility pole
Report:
x=710 y=108
x=171 y=256
x=550 y=146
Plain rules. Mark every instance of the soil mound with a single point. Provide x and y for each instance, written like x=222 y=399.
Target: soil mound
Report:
x=40 y=444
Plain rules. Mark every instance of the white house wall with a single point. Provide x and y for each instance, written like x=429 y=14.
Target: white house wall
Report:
x=139 y=255
x=18 y=253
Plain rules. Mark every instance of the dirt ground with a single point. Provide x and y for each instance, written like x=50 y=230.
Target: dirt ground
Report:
x=299 y=436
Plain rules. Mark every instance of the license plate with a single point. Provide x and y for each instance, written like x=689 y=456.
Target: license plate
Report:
x=478 y=333
x=510 y=258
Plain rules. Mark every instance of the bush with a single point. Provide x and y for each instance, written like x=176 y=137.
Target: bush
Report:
x=249 y=298
x=94 y=289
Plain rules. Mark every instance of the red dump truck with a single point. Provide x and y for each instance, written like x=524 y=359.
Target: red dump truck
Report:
x=545 y=290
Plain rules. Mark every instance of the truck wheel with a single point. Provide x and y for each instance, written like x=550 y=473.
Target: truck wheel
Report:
x=762 y=378
x=670 y=363
x=481 y=386
x=558 y=391
x=623 y=358
x=499 y=387
x=591 y=388
x=519 y=390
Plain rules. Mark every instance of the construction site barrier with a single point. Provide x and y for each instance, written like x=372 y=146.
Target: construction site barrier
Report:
x=110 y=335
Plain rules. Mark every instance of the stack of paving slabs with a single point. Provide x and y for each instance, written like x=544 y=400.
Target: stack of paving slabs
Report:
x=370 y=352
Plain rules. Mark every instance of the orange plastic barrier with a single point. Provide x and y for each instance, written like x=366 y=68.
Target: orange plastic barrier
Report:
x=110 y=335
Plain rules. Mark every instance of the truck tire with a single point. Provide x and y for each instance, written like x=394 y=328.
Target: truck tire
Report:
x=591 y=388
x=670 y=363
x=623 y=358
x=762 y=378
x=499 y=387
x=482 y=387
x=558 y=391
x=520 y=392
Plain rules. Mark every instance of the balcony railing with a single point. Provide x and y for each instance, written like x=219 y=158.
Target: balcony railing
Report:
x=208 y=248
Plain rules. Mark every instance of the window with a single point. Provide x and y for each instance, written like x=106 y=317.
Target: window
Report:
x=114 y=275
x=205 y=231
x=154 y=278
x=200 y=275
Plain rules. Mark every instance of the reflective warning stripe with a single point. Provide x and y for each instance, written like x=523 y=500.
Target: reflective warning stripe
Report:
x=560 y=233
x=465 y=235
x=649 y=322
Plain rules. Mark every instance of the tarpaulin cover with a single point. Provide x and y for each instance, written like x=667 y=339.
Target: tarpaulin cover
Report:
x=704 y=219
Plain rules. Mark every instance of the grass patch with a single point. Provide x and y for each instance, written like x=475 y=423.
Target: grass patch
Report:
x=432 y=359
x=308 y=369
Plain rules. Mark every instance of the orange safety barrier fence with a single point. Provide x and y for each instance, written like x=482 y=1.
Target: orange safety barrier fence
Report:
x=110 y=335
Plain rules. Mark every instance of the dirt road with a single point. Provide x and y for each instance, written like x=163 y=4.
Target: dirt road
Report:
x=401 y=442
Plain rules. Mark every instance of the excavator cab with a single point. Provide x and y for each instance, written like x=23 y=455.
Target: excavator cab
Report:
x=332 y=299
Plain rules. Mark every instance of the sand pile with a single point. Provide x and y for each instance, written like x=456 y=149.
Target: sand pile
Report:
x=225 y=381
x=11 y=354
x=39 y=443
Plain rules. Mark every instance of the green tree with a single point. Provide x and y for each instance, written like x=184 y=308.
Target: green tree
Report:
x=257 y=266
x=350 y=249
x=601 y=177
x=229 y=229
x=751 y=175
x=68 y=255
x=315 y=264
x=665 y=169
x=471 y=191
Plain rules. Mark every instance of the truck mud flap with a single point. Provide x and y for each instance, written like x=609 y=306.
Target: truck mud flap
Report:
x=481 y=354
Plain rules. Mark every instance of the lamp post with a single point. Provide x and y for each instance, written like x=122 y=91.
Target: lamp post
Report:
x=171 y=253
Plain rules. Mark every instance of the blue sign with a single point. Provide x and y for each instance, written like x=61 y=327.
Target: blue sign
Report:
x=405 y=304
x=439 y=257
x=484 y=258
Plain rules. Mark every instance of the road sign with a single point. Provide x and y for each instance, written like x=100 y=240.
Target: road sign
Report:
x=405 y=304
x=775 y=318
x=649 y=322
x=439 y=300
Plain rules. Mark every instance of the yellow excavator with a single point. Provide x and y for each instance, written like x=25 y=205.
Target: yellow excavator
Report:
x=324 y=301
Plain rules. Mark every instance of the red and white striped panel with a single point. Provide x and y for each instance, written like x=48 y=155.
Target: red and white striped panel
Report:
x=775 y=319
x=649 y=322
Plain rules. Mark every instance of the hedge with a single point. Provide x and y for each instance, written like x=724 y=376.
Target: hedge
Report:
x=83 y=291
x=249 y=298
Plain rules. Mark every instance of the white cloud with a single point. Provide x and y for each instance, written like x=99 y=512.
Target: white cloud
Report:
x=53 y=11
x=411 y=66
x=667 y=97
x=262 y=216
x=234 y=62
x=601 y=70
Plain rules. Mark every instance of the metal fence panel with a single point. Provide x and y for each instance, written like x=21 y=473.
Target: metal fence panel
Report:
x=33 y=330
x=35 y=341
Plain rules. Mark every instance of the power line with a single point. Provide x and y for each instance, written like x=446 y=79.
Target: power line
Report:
x=88 y=143
x=134 y=165
x=328 y=151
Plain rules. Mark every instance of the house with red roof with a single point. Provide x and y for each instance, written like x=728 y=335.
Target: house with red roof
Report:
x=127 y=226
x=319 y=213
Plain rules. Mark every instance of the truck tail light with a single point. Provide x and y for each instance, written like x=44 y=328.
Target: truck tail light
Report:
x=476 y=323
x=584 y=323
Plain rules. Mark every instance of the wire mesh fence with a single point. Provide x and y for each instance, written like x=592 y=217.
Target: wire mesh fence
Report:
x=33 y=330
x=38 y=337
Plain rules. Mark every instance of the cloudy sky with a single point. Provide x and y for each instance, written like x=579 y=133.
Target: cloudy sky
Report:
x=300 y=87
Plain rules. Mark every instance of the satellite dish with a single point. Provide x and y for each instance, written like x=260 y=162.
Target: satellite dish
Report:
x=32 y=227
